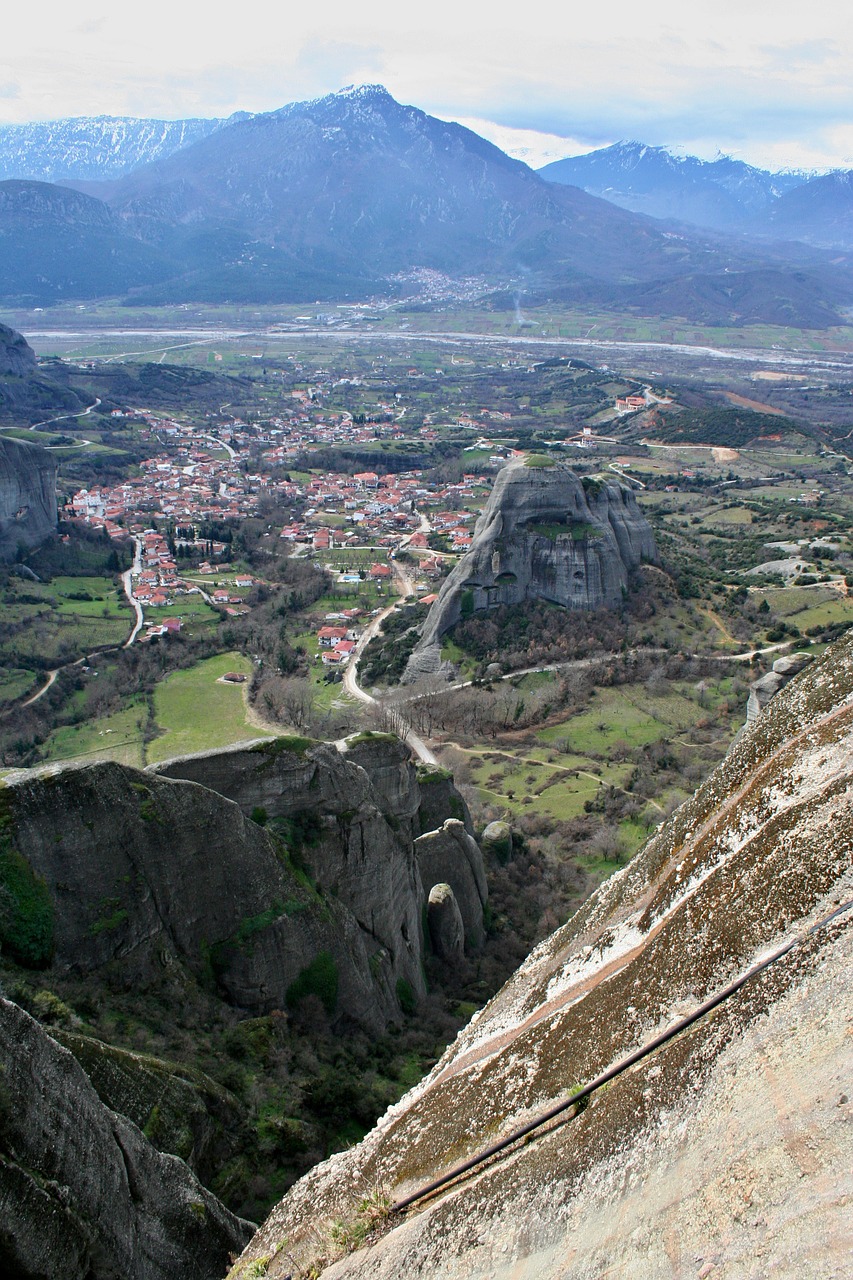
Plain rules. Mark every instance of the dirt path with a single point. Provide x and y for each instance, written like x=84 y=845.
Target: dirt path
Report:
x=718 y=623
x=744 y=403
x=51 y=676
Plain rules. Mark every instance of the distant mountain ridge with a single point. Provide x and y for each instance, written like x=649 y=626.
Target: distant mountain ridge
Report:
x=94 y=148
x=723 y=194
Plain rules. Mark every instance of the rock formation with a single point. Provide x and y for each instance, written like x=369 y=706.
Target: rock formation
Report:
x=767 y=686
x=27 y=496
x=723 y=1152
x=451 y=856
x=544 y=534
x=17 y=358
x=446 y=930
x=83 y=1195
x=161 y=882
x=152 y=872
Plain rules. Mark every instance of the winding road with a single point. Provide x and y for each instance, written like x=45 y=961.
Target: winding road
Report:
x=406 y=587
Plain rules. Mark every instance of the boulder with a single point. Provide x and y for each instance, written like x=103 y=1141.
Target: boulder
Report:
x=446 y=930
x=497 y=839
x=451 y=856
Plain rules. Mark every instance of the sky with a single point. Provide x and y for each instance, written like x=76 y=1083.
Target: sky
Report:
x=771 y=84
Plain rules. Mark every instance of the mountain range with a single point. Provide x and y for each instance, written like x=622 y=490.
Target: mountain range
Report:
x=92 y=148
x=724 y=194
x=339 y=197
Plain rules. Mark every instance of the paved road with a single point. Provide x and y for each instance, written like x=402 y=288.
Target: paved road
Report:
x=127 y=583
x=405 y=586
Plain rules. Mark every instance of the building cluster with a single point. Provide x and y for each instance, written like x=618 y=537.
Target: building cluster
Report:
x=200 y=481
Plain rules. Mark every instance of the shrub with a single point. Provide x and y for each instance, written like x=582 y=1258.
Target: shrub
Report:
x=406 y=996
x=319 y=978
x=26 y=909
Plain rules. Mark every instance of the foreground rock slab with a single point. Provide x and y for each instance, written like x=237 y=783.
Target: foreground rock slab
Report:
x=726 y=1152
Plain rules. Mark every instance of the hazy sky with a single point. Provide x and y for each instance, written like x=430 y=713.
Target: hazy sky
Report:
x=769 y=82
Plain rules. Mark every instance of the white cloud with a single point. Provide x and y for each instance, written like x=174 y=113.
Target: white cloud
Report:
x=748 y=78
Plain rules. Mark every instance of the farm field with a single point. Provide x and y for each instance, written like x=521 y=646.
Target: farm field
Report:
x=62 y=619
x=196 y=712
x=630 y=739
x=119 y=737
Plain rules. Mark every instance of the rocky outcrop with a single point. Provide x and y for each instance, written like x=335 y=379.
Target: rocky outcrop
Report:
x=83 y=1195
x=27 y=495
x=181 y=1111
x=446 y=930
x=451 y=856
x=164 y=875
x=164 y=879
x=726 y=1151
x=767 y=686
x=17 y=358
x=362 y=803
x=546 y=534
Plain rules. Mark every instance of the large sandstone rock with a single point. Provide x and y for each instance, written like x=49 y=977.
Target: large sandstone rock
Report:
x=163 y=874
x=154 y=877
x=724 y=1152
x=27 y=496
x=17 y=358
x=357 y=844
x=446 y=930
x=767 y=686
x=83 y=1195
x=544 y=534
x=451 y=856
x=182 y=1111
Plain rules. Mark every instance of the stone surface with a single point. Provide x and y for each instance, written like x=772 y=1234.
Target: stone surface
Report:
x=164 y=873
x=729 y=1146
x=27 y=495
x=497 y=839
x=17 y=358
x=182 y=1112
x=359 y=845
x=451 y=856
x=151 y=876
x=767 y=686
x=446 y=930
x=83 y=1195
x=544 y=534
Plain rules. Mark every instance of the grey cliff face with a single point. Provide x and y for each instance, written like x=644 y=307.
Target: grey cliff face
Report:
x=368 y=808
x=27 y=495
x=17 y=358
x=83 y=1195
x=167 y=876
x=544 y=534
x=452 y=857
x=151 y=876
x=163 y=882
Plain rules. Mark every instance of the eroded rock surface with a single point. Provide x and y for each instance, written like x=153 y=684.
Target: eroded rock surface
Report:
x=544 y=534
x=83 y=1195
x=724 y=1152
x=27 y=495
x=451 y=856
x=154 y=876
x=446 y=930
